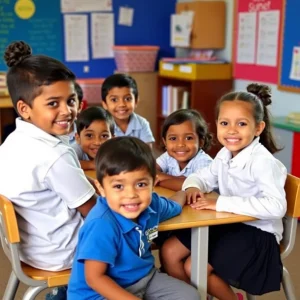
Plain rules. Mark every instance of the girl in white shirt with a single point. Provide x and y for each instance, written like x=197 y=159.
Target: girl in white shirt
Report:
x=251 y=182
x=185 y=135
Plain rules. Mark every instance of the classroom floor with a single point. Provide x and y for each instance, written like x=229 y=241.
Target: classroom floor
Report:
x=292 y=263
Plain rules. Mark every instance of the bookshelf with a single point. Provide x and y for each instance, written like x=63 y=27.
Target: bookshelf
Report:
x=203 y=95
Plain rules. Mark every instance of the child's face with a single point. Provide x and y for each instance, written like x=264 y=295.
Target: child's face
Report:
x=236 y=125
x=92 y=137
x=128 y=193
x=54 y=110
x=182 y=142
x=120 y=102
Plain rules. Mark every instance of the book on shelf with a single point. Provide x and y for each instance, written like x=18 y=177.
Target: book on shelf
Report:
x=174 y=98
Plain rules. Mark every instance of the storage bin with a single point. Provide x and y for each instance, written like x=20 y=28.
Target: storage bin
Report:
x=135 y=58
x=91 y=89
x=192 y=71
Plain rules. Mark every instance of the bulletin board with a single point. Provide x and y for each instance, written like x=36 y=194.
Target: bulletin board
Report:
x=289 y=71
x=44 y=31
x=256 y=40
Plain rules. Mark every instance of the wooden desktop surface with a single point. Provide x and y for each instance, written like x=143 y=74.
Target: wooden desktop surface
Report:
x=190 y=217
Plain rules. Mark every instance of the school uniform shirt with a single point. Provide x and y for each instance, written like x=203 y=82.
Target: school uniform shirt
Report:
x=138 y=127
x=41 y=175
x=72 y=139
x=81 y=155
x=170 y=166
x=251 y=183
x=124 y=245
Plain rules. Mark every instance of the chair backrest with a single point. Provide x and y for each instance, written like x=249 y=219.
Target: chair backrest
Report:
x=9 y=231
x=290 y=221
x=292 y=190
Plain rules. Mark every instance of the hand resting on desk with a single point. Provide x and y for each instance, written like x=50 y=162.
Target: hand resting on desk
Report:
x=198 y=200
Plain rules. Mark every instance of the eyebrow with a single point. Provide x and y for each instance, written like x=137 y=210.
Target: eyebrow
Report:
x=59 y=97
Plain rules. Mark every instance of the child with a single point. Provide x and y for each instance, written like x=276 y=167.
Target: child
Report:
x=94 y=127
x=39 y=171
x=186 y=137
x=120 y=97
x=79 y=103
x=251 y=182
x=113 y=258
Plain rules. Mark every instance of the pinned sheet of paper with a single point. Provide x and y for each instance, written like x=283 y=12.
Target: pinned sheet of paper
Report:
x=103 y=36
x=295 y=68
x=76 y=37
x=71 y=6
x=125 y=16
x=181 y=28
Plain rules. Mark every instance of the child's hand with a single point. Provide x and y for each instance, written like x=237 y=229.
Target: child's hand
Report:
x=192 y=195
x=205 y=203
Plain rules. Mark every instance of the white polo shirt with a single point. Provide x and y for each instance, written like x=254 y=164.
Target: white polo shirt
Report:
x=251 y=183
x=41 y=175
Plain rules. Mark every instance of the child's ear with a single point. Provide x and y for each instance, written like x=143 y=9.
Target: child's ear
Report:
x=260 y=128
x=201 y=143
x=104 y=104
x=23 y=109
x=137 y=100
x=99 y=188
x=164 y=141
x=77 y=138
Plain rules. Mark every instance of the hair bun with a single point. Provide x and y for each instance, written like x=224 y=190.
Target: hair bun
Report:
x=263 y=92
x=16 y=52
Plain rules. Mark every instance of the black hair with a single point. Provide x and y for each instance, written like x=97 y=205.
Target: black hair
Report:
x=124 y=154
x=259 y=95
x=91 y=114
x=79 y=92
x=27 y=73
x=118 y=80
x=182 y=115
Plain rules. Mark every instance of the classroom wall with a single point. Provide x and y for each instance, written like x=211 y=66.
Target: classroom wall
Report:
x=283 y=102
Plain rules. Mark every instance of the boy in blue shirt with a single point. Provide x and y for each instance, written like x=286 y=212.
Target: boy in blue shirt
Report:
x=113 y=259
x=120 y=97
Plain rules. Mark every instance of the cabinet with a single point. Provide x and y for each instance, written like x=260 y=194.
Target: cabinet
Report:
x=208 y=31
x=203 y=96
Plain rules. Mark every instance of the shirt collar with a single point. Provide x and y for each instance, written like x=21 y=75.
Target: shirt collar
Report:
x=133 y=124
x=242 y=157
x=127 y=225
x=39 y=134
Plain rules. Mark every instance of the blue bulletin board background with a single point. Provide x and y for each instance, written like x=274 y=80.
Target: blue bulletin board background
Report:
x=290 y=39
x=44 y=31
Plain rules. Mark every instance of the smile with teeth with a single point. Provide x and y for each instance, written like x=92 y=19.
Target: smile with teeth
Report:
x=64 y=123
x=132 y=207
x=232 y=140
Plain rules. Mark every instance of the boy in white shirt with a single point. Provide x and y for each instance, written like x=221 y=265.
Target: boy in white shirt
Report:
x=39 y=172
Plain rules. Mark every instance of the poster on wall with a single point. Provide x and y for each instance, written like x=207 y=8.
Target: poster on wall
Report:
x=256 y=40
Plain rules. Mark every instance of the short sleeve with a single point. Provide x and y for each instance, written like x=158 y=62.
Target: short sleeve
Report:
x=146 y=133
x=162 y=161
x=68 y=180
x=166 y=208
x=202 y=161
x=98 y=240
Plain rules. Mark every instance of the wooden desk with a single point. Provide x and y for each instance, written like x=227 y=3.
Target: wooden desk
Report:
x=199 y=221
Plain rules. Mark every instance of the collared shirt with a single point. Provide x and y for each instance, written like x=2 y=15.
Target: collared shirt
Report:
x=169 y=165
x=41 y=175
x=81 y=155
x=124 y=245
x=251 y=183
x=72 y=138
x=138 y=127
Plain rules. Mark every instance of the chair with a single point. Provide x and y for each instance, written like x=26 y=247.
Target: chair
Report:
x=292 y=190
x=36 y=279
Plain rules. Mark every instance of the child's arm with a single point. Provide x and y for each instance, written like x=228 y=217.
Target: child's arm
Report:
x=87 y=164
x=179 y=197
x=103 y=284
x=170 y=182
x=87 y=206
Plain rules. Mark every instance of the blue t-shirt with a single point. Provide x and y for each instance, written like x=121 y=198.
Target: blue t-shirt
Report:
x=124 y=245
